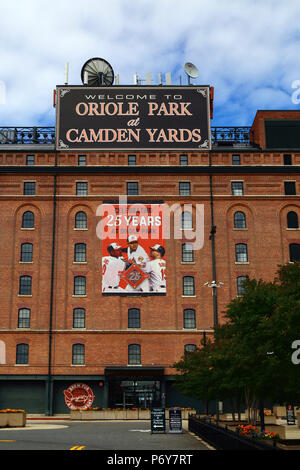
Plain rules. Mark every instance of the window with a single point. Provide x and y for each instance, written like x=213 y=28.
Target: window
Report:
x=237 y=188
x=22 y=353
x=294 y=252
x=80 y=252
x=131 y=160
x=81 y=220
x=240 y=284
x=26 y=252
x=24 y=318
x=79 y=285
x=29 y=188
x=134 y=354
x=30 y=159
x=236 y=159
x=81 y=160
x=134 y=320
x=185 y=189
x=81 y=188
x=25 y=285
x=239 y=219
x=78 y=354
x=289 y=188
x=79 y=318
x=188 y=285
x=189 y=348
x=241 y=255
x=287 y=159
x=28 y=220
x=132 y=189
x=189 y=318
x=292 y=220
x=186 y=220
x=184 y=160
x=187 y=253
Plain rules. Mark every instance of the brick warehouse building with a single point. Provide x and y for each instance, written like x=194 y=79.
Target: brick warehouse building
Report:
x=56 y=326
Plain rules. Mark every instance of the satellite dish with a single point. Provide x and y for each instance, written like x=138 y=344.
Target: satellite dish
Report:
x=191 y=70
x=97 y=72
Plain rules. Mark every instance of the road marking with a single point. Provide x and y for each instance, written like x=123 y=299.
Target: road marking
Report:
x=77 y=448
x=7 y=440
x=140 y=430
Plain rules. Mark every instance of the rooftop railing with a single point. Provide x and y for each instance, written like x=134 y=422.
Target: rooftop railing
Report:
x=221 y=136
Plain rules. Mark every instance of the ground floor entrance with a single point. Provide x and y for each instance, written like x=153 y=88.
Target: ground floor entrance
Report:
x=134 y=393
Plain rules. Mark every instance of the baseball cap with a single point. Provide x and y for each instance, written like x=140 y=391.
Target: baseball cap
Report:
x=132 y=238
x=114 y=246
x=155 y=247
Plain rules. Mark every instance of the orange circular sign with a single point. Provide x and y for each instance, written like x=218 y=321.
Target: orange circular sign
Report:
x=79 y=396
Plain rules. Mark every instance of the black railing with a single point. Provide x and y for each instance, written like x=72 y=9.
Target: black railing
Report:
x=225 y=439
x=46 y=135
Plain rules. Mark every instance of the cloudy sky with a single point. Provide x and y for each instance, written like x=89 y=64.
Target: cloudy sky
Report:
x=249 y=50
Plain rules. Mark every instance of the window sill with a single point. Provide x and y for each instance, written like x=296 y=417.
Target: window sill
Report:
x=18 y=365
x=293 y=228
x=189 y=296
x=80 y=229
x=24 y=295
x=25 y=262
x=234 y=228
x=242 y=262
x=77 y=365
x=134 y=365
x=25 y=228
x=78 y=295
x=79 y=262
x=75 y=328
x=188 y=262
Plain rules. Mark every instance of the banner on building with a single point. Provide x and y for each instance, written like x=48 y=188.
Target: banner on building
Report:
x=133 y=249
x=133 y=118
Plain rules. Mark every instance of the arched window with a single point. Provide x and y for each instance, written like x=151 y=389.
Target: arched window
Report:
x=239 y=220
x=187 y=252
x=186 y=220
x=25 y=285
x=78 y=354
x=79 y=318
x=134 y=320
x=28 y=220
x=241 y=255
x=189 y=348
x=189 y=318
x=292 y=220
x=294 y=252
x=80 y=252
x=188 y=285
x=134 y=354
x=81 y=220
x=240 y=284
x=79 y=285
x=26 y=252
x=24 y=318
x=22 y=353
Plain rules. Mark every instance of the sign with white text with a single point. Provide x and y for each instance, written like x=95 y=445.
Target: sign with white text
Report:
x=133 y=118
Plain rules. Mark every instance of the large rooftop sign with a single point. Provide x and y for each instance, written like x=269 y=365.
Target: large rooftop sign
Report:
x=133 y=118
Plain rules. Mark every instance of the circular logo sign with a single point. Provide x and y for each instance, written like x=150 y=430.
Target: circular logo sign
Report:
x=79 y=396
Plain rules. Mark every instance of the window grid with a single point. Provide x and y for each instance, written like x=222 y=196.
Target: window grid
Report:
x=236 y=159
x=185 y=188
x=289 y=188
x=28 y=220
x=183 y=160
x=189 y=348
x=131 y=160
x=81 y=220
x=292 y=220
x=294 y=249
x=81 y=188
x=24 y=318
x=134 y=354
x=22 y=353
x=79 y=318
x=78 y=354
x=81 y=160
x=134 y=318
x=29 y=188
x=26 y=252
x=30 y=160
x=189 y=320
x=188 y=285
x=239 y=220
x=80 y=252
x=132 y=188
x=187 y=253
x=79 y=285
x=25 y=285
x=237 y=188
x=186 y=220
x=241 y=255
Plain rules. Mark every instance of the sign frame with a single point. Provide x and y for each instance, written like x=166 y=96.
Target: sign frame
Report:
x=64 y=90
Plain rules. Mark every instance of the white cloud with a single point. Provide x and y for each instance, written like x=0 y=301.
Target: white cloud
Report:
x=247 y=49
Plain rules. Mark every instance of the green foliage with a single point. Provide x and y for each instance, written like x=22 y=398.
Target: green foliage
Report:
x=251 y=353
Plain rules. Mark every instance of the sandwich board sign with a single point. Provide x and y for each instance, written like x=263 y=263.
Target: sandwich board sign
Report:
x=175 y=420
x=158 y=420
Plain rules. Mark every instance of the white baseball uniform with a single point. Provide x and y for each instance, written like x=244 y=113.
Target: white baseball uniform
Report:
x=157 y=275
x=140 y=257
x=111 y=269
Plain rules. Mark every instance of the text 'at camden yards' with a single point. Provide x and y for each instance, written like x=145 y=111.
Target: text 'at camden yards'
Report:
x=133 y=135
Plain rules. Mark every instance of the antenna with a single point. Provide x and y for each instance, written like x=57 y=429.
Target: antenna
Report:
x=67 y=73
x=168 y=78
x=191 y=71
x=148 y=78
x=97 y=72
x=159 y=79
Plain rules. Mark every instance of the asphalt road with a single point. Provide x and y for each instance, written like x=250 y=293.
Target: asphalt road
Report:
x=96 y=436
